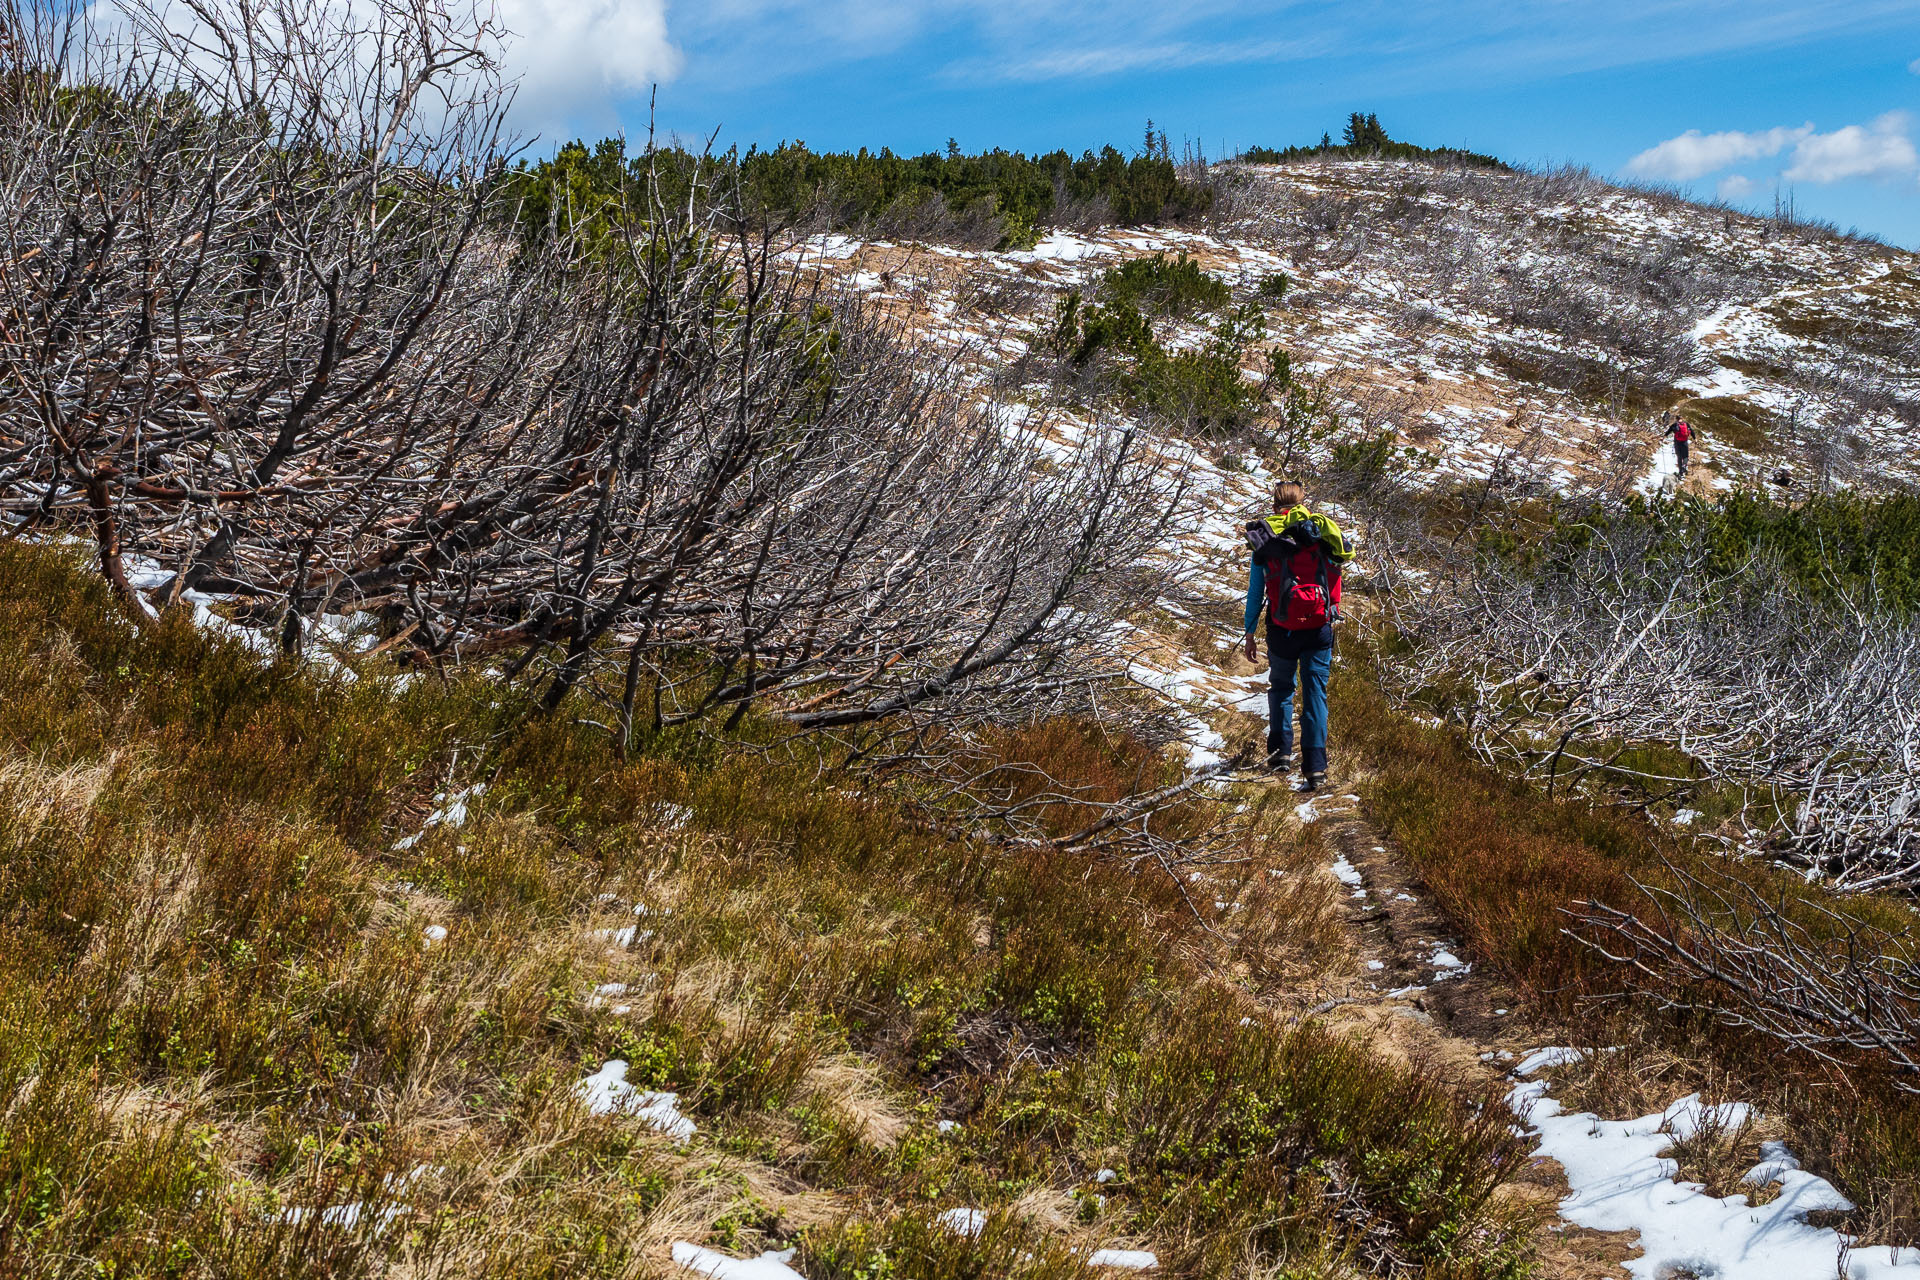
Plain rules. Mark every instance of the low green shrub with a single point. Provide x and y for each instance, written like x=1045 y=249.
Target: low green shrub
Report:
x=1287 y=1121
x=1164 y=286
x=1858 y=544
x=998 y=197
x=1110 y=345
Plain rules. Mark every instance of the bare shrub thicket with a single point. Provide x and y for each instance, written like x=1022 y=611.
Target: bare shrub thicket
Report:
x=1802 y=707
x=1624 y=670
x=268 y=327
x=1866 y=362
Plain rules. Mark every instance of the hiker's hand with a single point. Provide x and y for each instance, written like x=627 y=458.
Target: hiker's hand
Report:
x=1253 y=649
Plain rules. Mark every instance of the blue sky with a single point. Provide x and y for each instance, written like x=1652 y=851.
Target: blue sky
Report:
x=1741 y=98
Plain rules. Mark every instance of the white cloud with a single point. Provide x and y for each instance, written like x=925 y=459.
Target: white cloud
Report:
x=1695 y=154
x=568 y=62
x=1882 y=149
x=1150 y=56
x=1914 y=66
x=575 y=58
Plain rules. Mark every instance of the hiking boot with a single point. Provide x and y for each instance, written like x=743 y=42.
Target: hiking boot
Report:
x=1279 y=762
x=1315 y=781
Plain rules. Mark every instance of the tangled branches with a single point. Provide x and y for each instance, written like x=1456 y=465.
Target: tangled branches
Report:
x=1802 y=702
x=1824 y=984
x=268 y=319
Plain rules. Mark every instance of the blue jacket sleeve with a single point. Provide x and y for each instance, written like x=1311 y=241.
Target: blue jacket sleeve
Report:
x=1256 y=593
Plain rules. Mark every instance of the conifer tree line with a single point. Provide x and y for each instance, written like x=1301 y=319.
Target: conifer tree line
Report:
x=995 y=199
x=1365 y=138
x=992 y=199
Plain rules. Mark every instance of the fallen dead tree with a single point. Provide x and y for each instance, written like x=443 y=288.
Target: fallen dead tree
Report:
x=1823 y=983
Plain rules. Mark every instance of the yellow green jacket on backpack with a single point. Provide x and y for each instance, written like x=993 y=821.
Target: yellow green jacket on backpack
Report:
x=1325 y=529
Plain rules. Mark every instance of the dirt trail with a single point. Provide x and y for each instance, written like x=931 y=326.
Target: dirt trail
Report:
x=1456 y=1020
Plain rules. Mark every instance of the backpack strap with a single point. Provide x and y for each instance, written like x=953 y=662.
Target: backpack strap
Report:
x=1327 y=572
x=1279 y=578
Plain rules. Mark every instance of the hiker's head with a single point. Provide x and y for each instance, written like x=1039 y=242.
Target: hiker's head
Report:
x=1288 y=494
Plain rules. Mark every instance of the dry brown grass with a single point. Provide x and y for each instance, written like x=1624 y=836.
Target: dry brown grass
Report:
x=217 y=1003
x=1289 y=929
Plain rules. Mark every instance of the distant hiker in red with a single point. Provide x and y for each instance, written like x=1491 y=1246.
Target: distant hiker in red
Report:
x=1294 y=579
x=1681 y=433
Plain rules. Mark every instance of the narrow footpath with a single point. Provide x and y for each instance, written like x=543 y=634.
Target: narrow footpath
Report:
x=1422 y=1002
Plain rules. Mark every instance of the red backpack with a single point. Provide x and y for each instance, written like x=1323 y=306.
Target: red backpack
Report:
x=1682 y=432
x=1303 y=586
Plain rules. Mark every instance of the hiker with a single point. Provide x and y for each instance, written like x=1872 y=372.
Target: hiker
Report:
x=1681 y=433
x=1293 y=577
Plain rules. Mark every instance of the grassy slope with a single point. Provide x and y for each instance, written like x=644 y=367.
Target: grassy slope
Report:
x=216 y=1002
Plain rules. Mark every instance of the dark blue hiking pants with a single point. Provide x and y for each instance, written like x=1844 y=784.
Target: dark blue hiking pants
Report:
x=1303 y=658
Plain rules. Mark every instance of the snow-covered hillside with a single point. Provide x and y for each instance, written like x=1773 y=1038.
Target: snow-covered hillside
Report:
x=1541 y=323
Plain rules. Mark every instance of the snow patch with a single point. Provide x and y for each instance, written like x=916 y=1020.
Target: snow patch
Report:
x=768 y=1266
x=1552 y=1056
x=1060 y=246
x=606 y=1092
x=450 y=810
x=962 y=1222
x=1620 y=1180
x=347 y=1216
